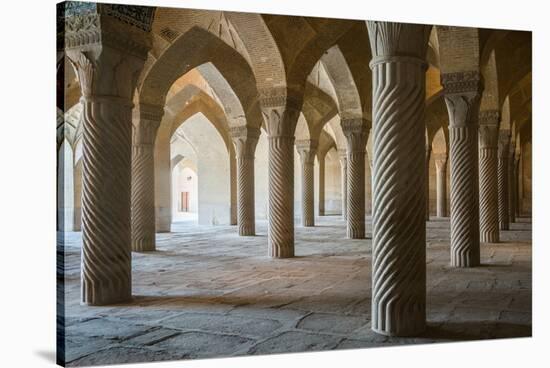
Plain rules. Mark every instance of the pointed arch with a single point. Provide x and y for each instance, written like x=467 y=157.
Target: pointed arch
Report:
x=192 y=50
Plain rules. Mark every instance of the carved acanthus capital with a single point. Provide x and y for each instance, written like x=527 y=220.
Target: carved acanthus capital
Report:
x=489 y=117
x=402 y=42
x=279 y=97
x=280 y=110
x=503 y=143
x=356 y=132
x=307 y=149
x=146 y=124
x=463 y=108
x=107 y=48
x=488 y=136
x=467 y=82
x=245 y=139
x=123 y=27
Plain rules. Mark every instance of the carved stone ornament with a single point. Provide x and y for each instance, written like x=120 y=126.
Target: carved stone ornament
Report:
x=462 y=82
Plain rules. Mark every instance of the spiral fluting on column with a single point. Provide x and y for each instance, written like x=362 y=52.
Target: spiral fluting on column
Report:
x=143 y=177
x=344 y=186
x=307 y=150
x=462 y=91
x=464 y=197
x=441 y=185
x=234 y=206
x=321 y=159
x=518 y=185
x=399 y=198
x=308 y=215
x=356 y=195
x=488 y=195
x=143 y=198
x=106 y=259
x=427 y=171
x=281 y=203
x=503 y=216
x=245 y=184
x=512 y=188
x=245 y=139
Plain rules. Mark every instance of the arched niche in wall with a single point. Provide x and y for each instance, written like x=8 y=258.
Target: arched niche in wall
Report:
x=213 y=167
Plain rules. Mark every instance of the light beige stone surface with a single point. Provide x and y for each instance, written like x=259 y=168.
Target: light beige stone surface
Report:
x=462 y=95
x=399 y=178
x=207 y=292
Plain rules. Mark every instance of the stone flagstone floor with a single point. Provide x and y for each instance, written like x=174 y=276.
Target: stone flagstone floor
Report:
x=206 y=292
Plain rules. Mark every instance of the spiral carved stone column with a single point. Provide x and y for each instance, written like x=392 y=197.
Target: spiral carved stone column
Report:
x=519 y=185
x=427 y=171
x=503 y=210
x=462 y=96
x=307 y=149
x=77 y=215
x=321 y=158
x=281 y=206
x=440 y=160
x=399 y=203
x=488 y=190
x=511 y=186
x=96 y=55
x=344 y=187
x=281 y=114
x=355 y=131
x=143 y=177
x=106 y=261
x=233 y=206
x=245 y=139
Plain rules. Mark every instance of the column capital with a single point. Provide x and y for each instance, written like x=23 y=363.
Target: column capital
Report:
x=281 y=109
x=245 y=139
x=488 y=136
x=122 y=27
x=391 y=42
x=355 y=131
x=462 y=91
x=307 y=149
x=503 y=143
x=102 y=40
x=489 y=117
x=146 y=124
x=461 y=83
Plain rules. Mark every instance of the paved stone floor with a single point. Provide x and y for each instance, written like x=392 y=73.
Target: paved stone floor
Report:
x=206 y=292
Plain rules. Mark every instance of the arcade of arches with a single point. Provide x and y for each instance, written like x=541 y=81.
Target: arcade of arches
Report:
x=237 y=183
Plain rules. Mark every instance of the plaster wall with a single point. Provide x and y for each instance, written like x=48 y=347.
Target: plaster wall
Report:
x=213 y=170
x=261 y=169
x=65 y=189
x=333 y=184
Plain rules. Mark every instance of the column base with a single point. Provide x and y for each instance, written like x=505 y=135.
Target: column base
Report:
x=489 y=238
x=247 y=231
x=355 y=233
x=465 y=263
x=281 y=251
x=102 y=297
x=409 y=333
x=143 y=245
